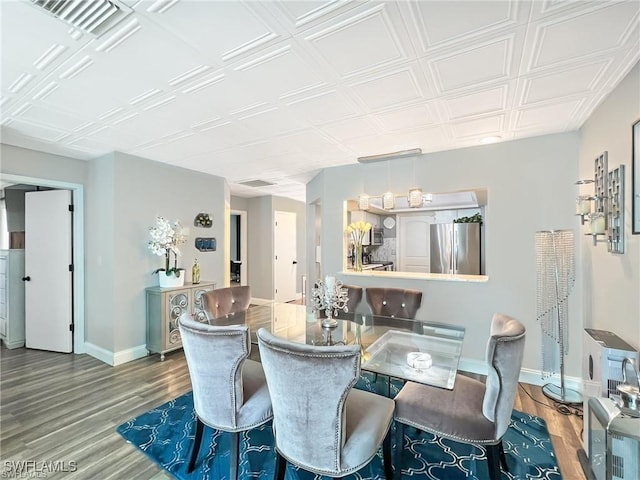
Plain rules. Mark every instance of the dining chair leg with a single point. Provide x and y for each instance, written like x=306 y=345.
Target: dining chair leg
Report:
x=398 y=451
x=196 y=445
x=281 y=466
x=503 y=458
x=386 y=456
x=234 y=458
x=493 y=458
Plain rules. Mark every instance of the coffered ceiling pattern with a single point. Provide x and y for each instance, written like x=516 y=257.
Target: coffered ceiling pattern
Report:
x=276 y=91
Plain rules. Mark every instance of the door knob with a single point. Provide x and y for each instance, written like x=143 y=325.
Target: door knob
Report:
x=295 y=263
x=26 y=279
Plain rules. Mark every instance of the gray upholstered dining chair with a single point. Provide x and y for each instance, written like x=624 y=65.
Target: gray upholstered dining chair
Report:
x=322 y=424
x=225 y=301
x=394 y=302
x=229 y=391
x=473 y=412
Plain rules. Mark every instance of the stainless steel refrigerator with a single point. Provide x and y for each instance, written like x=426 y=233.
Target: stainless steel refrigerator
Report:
x=455 y=248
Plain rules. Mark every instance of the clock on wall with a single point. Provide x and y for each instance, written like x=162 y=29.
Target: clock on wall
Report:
x=389 y=223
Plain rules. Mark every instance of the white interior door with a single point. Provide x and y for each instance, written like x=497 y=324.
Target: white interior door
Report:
x=285 y=263
x=48 y=255
x=413 y=242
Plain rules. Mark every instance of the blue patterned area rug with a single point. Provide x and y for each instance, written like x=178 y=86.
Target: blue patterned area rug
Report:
x=165 y=435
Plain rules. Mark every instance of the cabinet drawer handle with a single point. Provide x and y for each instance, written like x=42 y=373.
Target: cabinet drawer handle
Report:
x=26 y=279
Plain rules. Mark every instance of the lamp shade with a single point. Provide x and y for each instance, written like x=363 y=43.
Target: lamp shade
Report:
x=388 y=201
x=363 y=201
x=415 y=197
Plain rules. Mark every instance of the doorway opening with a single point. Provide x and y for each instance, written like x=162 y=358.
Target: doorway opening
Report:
x=238 y=248
x=77 y=249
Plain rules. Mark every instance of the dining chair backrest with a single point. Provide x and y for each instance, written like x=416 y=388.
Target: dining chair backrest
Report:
x=215 y=356
x=309 y=386
x=224 y=301
x=394 y=302
x=505 y=349
x=354 y=293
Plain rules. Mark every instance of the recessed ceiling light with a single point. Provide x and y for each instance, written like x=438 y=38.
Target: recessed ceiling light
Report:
x=490 y=139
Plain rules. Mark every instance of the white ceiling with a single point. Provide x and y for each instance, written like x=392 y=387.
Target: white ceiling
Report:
x=276 y=91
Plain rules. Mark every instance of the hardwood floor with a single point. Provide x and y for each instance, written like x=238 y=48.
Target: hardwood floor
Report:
x=65 y=408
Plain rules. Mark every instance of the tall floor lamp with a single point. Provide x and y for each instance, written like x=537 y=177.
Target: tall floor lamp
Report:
x=555 y=268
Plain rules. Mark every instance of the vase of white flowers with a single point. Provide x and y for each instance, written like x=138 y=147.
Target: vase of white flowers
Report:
x=166 y=237
x=357 y=231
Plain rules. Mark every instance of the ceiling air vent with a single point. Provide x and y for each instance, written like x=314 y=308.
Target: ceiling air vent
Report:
x=90 y=16
x=257 y=183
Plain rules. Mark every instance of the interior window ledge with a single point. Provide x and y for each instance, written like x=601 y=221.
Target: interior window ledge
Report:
x=443 y=277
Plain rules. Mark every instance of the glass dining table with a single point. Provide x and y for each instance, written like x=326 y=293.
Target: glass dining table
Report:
x=410 y=350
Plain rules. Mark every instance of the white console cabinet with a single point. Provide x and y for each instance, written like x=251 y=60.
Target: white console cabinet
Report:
x=12 y=298
x=164 y=307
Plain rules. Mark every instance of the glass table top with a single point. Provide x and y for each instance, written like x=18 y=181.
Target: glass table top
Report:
x=414 y=350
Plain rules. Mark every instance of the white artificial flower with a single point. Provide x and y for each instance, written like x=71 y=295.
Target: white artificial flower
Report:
x=165 y=237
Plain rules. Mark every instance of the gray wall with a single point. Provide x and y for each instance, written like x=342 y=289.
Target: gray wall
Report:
x=31 y=163
x=530 y=187
x=14 y=200
x=239 y=203
x=260 y=246
x=101 y=263
x=612 y=294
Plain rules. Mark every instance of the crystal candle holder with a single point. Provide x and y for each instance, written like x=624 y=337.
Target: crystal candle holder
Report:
x=328 y=295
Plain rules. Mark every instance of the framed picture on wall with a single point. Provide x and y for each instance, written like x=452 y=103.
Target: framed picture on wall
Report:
x=635 y=173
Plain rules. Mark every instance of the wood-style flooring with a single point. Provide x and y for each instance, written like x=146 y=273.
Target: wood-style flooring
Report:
x=65 y=408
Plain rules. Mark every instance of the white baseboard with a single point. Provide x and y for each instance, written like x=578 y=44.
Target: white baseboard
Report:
x=527 y=375
x=130 y=354
x=117 y=358
x=100 y=353
x=12 y=345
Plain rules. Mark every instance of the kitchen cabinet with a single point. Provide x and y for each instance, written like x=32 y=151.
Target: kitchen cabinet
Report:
x=12 y=298
x=364 y=216
x=164 y=307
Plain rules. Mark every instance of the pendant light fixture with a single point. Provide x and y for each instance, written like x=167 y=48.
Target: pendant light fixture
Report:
x=415 y=197
x=388 y=201
x=363 y=201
